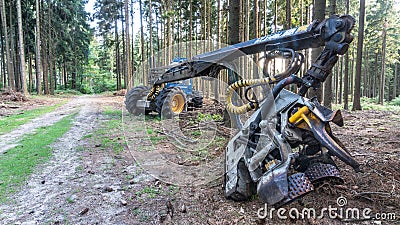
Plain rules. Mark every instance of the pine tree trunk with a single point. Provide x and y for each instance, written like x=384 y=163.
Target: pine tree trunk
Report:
x=234 y=18
x=150 y=58
x=128 y=48
x=328 y=82
x=395 y=81
x=142 y=41
x=275 y=16
x=3 y=67
x=52 y=76
x=346 y=71
x=382 y=79
x=256 y=35
x=30 y=73
x=357 y=82
x=191 y=29
x=14 y=50
x=122 y=57
x=233 y=29
x=21 y=48
x=117 y=57
x=45 y=70
x=288 y=14
x=217 y=83
x=318 y=14
x=38 y=50
x=10 y=70
x=65 y=75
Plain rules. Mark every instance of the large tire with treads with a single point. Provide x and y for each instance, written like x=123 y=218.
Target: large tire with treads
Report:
x=131 y=98
x=170 y=102
x=197 y=99
x=245 y=187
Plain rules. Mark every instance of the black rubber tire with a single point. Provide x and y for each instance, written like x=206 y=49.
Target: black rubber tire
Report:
x=197 y=102
x=197 y=99
x=245 y=187
x=131 y=98
x=165 y=98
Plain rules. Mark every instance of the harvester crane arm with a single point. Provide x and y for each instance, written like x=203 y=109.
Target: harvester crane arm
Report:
x=333 y=32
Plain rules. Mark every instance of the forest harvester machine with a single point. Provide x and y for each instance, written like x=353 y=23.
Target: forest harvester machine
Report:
x=281 y=154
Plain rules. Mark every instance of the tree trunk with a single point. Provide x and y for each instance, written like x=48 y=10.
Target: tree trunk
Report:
x=288 y=14
x=10 y=70
x=150 y=58
x=3 y=67
x=117 y=57
x=122 y=57
x=234 y=18
x=357 y=82
x=45 y=71
x=275 y=16
x=65 y=75
x=128 y=48
x=346 y=71
x=30 y=73
x=234 y=30
x=191 y=28
x=21 y=48
x=382 y=80
x=38 y=50
x=142 y=41
x=318 y=14
x=45 y=66
x=52 y=75
x=13 y=50
x=328 y=83
x=395 y=81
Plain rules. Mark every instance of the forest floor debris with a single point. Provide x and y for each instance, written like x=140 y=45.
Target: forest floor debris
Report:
x=103 y=184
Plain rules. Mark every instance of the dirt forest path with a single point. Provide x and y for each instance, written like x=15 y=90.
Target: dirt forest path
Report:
x=8 y=140
x=50 y=192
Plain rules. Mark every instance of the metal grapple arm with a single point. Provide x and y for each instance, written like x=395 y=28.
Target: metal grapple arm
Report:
x=334 y=33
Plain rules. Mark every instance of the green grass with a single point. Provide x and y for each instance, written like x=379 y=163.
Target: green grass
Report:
x=110 y=131
x=9 y=123
x=208 y=117
x=67 y=92
x=151 y=192
x=19 y=162
x=156 y=139
x=372 y=104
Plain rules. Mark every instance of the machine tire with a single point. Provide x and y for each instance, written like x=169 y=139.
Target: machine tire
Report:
x=170 y=102
x=245 y=187
x=198 y=102
x=131 y=98
x=197 y=99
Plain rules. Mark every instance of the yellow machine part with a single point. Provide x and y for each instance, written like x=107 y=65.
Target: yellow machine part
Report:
x=177 y=103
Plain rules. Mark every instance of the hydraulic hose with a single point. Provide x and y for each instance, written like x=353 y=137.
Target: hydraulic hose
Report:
x=244 y=83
